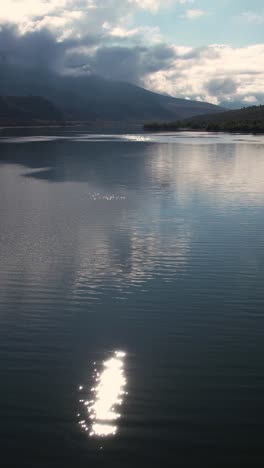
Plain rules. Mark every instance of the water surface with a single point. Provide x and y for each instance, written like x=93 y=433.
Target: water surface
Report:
x=131 y=299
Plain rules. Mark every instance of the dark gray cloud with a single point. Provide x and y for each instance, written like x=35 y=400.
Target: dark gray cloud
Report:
x=41 y=49
x=38 y=48
x=124 y=63
x=221 y=87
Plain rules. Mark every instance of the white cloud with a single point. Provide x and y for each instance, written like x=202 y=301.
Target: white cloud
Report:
x=194 y=14
x=250 y=100
x=152 y=5
x=76 y=18
x=22 y=10
x=189 y=77
x=152 y=35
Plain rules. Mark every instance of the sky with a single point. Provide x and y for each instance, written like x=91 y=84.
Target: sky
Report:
x=197 y=49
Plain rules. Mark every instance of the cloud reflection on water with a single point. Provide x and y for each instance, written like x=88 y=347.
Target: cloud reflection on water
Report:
x=124 y=216
x=222 y=173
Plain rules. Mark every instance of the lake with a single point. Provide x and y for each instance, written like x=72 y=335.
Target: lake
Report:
x=131 y=299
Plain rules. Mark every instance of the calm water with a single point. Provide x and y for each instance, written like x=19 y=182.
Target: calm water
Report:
x=133 y=265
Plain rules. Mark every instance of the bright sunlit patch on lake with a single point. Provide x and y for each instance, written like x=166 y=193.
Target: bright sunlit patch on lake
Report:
x=108 y=393
x=103 y=430
x=136 y=138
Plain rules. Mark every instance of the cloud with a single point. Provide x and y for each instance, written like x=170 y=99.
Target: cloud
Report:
x=37 y=48
x=194 y=14
x=216 y=73
x=20 y=11
x=221 y=87
x=88 y=36
x=250 y=100
x=150 y=34
x=124 y=63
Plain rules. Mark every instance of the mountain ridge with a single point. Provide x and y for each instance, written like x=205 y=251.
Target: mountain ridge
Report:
x=16 y=110
x=95 y=98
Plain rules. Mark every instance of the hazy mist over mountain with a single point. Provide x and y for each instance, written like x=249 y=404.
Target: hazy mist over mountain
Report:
x=174 y=47
x=89 y=97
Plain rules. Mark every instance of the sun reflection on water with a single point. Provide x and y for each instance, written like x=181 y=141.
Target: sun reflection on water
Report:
x=108 y=393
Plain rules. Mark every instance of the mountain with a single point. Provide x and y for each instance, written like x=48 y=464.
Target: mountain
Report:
x=20 y=109
x=94 y=98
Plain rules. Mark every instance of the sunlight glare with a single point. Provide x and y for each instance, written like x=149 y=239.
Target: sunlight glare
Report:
x=108 y=391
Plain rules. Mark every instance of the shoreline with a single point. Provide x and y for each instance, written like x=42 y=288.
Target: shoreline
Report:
x=206 y=130
x=102 y=124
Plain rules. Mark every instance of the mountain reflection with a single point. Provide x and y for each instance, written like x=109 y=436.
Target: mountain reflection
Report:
x=102 y=410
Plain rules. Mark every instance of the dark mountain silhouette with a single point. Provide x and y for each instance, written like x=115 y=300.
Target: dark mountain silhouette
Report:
x=28 y=109
x=94 y=98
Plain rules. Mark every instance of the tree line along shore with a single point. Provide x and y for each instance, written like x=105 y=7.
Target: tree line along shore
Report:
x=245 y=120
